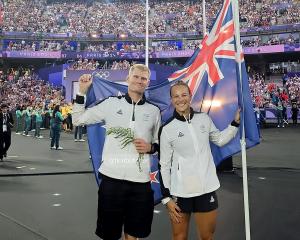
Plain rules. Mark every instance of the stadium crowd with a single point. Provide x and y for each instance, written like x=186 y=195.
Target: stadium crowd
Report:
x=293 y=87
x=111 y=46
x=270 y=40
x=269 y=94
x=22 y=45
x=101 y=17
x=22 y=87
x=85 y=64
x=37 y=105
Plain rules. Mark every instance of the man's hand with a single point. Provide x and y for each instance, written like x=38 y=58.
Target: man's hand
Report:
x=85 y=82
x=174 y=211
x=141 y=145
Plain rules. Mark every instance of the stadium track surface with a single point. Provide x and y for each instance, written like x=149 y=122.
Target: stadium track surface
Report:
x=30 y=207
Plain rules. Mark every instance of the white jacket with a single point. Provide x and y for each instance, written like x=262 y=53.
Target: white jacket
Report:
x=143 y=118
x=187 y=166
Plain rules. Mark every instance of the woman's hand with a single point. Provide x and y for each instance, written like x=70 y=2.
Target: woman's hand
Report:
x=237 y=116
x=174 y=211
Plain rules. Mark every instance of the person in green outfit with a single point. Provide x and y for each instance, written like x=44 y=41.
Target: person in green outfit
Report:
x=38 y=121
x=50 y=114
x=19 y=115
x=56 y=128
x=27 y=113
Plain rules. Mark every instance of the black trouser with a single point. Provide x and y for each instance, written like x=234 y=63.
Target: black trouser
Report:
x=47 y=121
x=69 y=122
x=294 y=120
x=5 y=141
x=55 y=137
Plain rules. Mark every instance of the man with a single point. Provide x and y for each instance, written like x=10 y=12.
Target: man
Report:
x=125 y=197
x=6 y=123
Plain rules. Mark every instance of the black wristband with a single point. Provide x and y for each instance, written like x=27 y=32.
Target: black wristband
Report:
x=154 y=148
x=79 y=99
x=235 y=124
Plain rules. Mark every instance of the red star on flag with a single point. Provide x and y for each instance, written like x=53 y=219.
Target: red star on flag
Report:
x=153 y=177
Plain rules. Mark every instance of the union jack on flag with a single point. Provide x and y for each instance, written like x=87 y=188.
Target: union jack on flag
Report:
x=218 y=44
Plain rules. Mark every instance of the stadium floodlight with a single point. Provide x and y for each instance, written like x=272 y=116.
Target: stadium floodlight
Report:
x=123 y=35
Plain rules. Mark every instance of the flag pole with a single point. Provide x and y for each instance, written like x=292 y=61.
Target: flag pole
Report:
x=242 y=140
x=204 y=19
x=204 y=23
x=147 y=35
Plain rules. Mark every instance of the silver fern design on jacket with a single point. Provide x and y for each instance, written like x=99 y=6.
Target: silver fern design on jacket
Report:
x=125 y=136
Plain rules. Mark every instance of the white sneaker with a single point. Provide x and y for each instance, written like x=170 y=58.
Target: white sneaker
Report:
x=52 y=148
x=24 y=134
x=75 y=140
x=40 y=137
x=81 y=140
x=59 y=148
x=28 y=135
x=278 y=126
x=18 y=133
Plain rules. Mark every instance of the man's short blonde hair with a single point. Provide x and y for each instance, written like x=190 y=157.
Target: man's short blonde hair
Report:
x=141 y=67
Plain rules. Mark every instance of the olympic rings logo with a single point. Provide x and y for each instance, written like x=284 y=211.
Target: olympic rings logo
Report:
x=103 y=74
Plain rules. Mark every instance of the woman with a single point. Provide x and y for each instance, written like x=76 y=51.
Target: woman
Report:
x=38 y=121
x=27 y=113
x=188 y=173
x=56 y=127
x=50 y=114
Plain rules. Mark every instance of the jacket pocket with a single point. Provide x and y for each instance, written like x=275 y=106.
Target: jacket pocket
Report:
x=188 y=176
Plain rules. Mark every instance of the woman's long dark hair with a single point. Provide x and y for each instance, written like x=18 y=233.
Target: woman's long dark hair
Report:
x=55 y=110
